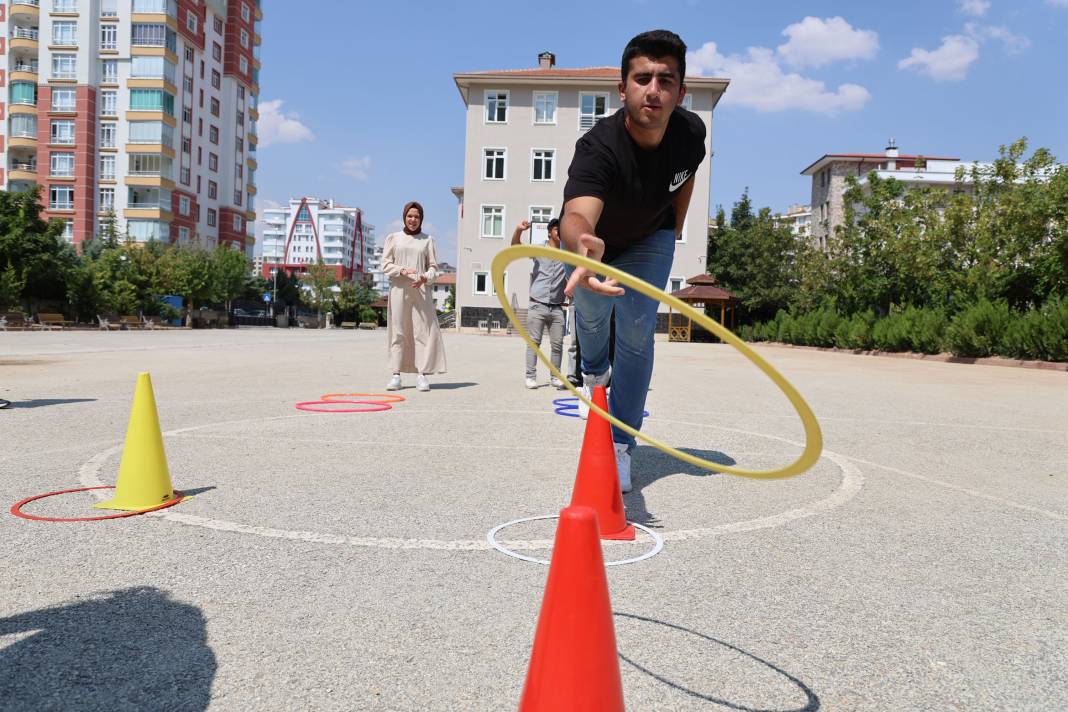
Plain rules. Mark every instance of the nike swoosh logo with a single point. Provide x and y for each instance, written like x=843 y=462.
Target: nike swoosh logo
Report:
x=680 y=178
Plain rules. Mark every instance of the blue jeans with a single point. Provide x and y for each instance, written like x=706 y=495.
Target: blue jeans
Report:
x=635 y=323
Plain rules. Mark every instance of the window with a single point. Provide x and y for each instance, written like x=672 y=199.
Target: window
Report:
x=62 y=165
x=153 y=68
x=24 y=125
x=187 y=114
x=68 y=230
x=239 y=145
x=109 y=8
x=240 y=118
x=150 y=164
x=187 y=84
x=541 y=165
x=242 y=64
x=216 y=78
x=108 y=132
x=109 y=36
x=187 y=145
x=238 y=195
x=65 y=33
x=493 y=164
x=24 y=93
x=63 y=131
x=183 y=234
x=189 y=54
x=109 y=71
x=492 y=221
x=61 y=197
x=218 y=23
x=191 y=21
x=64 y=66
x=211 y=217
x=107 y=167
x=539 y=219
x=151 y=100
x=109 y=102
x=687 y=102
x=237 y=222
x=545 y=107
x=63 y=99
x=245 y=14
x=496 y=107
x=153 y=35
x=184 y=206
x=185 y=178
x=161 y=6
x=213 y=190
x=244 y=38
x=216 y=51
x=213 y=161
x=64 y=5
x=151 y=132
x=482 y=283
x=213 y=134
x=675 y=284
x=146 y=230
x=214 y=104
x=592 y=108
x=107 y=199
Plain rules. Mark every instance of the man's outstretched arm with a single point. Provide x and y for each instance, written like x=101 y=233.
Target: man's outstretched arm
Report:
x=576 y=232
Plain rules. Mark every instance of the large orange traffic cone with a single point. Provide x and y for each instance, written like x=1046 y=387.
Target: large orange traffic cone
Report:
x=573 y=665
x=597 y=482
x=144 y=479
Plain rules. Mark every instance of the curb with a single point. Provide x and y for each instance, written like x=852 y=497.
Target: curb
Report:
x=938 y=358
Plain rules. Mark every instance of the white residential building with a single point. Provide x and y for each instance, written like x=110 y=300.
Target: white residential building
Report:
x=299 y=234
x=798 y=218
x=379 y=280
x=521 y=130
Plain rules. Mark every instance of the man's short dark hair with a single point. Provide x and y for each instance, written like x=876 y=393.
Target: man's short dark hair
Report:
x=555 y=222
x=655 y=44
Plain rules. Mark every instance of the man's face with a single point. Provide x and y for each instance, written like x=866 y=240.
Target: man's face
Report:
x=554 y=237
x=652 y=91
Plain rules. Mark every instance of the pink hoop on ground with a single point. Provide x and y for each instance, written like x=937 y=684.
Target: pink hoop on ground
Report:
x=364 y=397
x=376 y=406
x=16 y=508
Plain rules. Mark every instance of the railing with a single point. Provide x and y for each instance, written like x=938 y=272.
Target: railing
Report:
x=22 y=166
x=35 y=3
x=25 y=101
x=447 y=320
x=25 y=67
x=152 y=205
x=23 y=33
x=23 y=133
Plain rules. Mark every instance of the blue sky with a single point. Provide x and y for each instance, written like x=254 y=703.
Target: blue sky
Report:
x=358 y=102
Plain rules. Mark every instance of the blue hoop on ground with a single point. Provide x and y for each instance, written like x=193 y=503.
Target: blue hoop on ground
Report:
x=561 y=408
x=491 y=537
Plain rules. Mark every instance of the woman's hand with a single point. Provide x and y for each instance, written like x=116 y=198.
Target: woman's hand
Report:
x=419 y=282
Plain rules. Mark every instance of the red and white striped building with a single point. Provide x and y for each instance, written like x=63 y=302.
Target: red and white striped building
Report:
x=144 y=107
x=299 y=234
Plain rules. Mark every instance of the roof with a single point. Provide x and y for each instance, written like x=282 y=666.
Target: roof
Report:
x=703 y=278
x=868 y=157
x=703 y=293
x=447 y=278
x=592 y=72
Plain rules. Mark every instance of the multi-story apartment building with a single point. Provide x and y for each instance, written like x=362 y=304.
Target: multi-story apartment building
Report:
x=829 y=175
x=298 y=235
x=146 y=108
x=798 y=218
x=379 y=280
x=522 y=126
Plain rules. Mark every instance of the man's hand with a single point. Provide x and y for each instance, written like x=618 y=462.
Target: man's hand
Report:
x=523 y=225
x=593 y=246
x=517 y=234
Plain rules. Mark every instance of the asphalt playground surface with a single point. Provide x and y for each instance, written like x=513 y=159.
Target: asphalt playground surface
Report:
x=339 y=562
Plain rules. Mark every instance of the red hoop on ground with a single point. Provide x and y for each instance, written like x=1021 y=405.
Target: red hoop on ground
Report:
x=16 y=508
x=364 y=397
x=375 y=406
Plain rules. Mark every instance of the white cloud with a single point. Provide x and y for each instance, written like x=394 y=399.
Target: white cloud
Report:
x=1013 y=43
x=758 y=82
x=815 y=42
x=975 y=8
x=278 y=127
x=948 y=63
x=1057 y=3
x=358 y=167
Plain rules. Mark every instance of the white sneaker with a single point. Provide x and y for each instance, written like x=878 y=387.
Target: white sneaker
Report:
x=588 y=382
x=394 y=383
x=421 y=383
x=531 y=383
x=556 y=383
x=623 y=465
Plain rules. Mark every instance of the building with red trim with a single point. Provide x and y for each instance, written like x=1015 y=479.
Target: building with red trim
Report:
x=299 y=234
x=147 y=108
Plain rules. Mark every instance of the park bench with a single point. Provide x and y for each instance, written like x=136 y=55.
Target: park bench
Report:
x=107 y=322
x=13 y=321
x=368 y=325
x=348 y=325
x=130 y=322
x=49 y=320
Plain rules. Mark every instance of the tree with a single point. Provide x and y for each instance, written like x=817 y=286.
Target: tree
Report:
x=318 y=281
x=35 y=250
x=230 y=272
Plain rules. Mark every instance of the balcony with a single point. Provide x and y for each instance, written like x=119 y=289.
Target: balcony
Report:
x=24 y=71
x=25 y=9
x=24 y=38
x=23 y=170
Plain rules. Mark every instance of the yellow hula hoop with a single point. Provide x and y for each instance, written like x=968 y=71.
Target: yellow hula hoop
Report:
x=813 y=436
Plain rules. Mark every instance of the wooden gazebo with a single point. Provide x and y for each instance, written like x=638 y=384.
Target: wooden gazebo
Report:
x=701 y=293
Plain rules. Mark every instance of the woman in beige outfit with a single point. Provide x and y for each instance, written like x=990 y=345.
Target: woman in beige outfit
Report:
x=411 y=263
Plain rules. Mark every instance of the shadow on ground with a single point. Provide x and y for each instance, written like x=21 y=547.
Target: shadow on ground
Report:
x=649 y=465
x=683 y=640
x=43 y=402
x=132 y=649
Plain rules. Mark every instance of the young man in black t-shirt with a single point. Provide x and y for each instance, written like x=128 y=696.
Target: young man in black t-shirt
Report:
x=625 y=203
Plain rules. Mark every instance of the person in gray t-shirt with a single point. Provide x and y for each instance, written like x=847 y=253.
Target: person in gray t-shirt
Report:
x=547 y=301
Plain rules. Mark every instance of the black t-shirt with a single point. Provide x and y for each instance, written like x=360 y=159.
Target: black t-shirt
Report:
x=636 y=185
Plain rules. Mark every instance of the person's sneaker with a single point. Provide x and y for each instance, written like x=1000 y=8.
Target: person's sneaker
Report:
x=588 y=382
x=623 y=465
x=4 y=403
x=421 y=383
x=555 y=383
x=531 y=383
x=394 y=383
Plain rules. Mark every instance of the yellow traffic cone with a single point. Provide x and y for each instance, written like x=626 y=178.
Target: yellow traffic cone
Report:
x=144 y=479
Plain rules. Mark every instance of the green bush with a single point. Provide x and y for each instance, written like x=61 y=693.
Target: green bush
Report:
x=978 y=330
x=927 y=328
x=855 y=332
x=1038 y=333
x=891 y=333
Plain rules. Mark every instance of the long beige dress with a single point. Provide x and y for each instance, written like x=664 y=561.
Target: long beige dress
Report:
x=415 y=344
